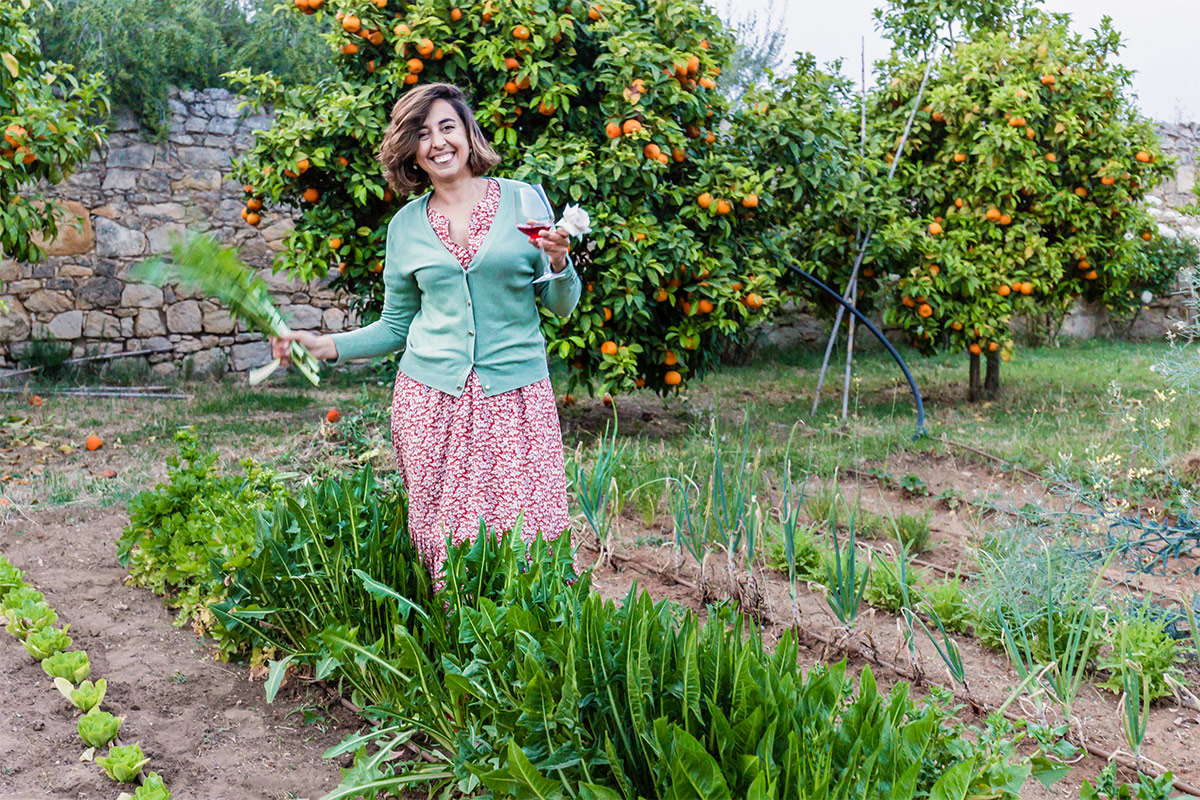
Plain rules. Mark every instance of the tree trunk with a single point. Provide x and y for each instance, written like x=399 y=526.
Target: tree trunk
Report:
x=991 y=383
x=974 y=389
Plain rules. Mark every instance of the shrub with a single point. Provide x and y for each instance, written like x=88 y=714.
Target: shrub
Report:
x=1143 y=642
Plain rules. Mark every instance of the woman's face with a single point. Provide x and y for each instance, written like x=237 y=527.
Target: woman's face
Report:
x=442 y=146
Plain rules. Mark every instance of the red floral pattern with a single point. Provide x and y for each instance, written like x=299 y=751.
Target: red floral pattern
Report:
x=472 y=457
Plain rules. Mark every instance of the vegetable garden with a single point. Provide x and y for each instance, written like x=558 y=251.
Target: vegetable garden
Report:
x=219 y=597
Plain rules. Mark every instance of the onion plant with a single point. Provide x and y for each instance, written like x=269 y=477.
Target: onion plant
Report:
x=596 y=489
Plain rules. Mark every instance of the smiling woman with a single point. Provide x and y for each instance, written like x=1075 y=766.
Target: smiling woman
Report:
x=474 y=423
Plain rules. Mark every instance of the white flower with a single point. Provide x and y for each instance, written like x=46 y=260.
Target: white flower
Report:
x=575 y=221
x=1147 y=296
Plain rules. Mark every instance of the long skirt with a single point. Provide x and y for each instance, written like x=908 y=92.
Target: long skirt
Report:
x=473 y=457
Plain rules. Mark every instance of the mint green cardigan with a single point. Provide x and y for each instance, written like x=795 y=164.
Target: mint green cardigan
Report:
x=449 y=320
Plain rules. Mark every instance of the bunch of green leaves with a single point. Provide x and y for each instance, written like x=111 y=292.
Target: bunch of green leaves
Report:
x=1157 y=272
x=200 y=262
x=97 y=728
x=10 y=577
x=88 y=696
x=46 y=641
x=144 y=50
x=884 y=589
x=1107 y=787
x=152 y=788
x=911 y=530
x=808 y=554
x=185 y=535
x=596 y=488
x=532 y=685
x=123 y=764
x=332 y=580
x=948 y=600
x=25 y=610
x=845 y=583
x=1141 y=641
x=72 y=665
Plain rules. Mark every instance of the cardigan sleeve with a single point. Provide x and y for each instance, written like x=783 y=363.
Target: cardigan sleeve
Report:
x=389 y=333
x=560 y=295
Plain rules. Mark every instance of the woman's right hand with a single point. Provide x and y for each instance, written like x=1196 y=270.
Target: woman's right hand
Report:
x=321 y=346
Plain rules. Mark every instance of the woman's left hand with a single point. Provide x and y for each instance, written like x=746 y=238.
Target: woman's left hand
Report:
x=554 y=244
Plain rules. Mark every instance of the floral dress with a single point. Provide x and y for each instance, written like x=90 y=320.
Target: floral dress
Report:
x=471 y=457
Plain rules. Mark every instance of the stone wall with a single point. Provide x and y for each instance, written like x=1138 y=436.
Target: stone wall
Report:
x=124 y=205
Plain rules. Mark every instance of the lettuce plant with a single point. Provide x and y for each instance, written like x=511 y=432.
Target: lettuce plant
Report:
x=72 y=665
x=10 y=577
x=152 y=788
x=29 y=616
x=44 y=642
x=97 y=728
x=123 y=764
x=87 y=696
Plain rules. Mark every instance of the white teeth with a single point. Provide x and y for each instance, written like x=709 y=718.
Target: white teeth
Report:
x=443 y=159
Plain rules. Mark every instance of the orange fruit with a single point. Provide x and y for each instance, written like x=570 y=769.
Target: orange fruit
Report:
x=1108 y=181
x=723 y=207
x=993 y=214
x=411 y=78
x=754 y=301
x=1048 y=80
x=710 y=138
x=375 y=37
x=333 y=415
x=335 y=243
x=631 y=126
x=1147 y=235
x=934 y=269
x=1027 y=287
x=934 y=229
x=546 y=108
x=609 y=348
x=708 y=83
x=302 y=166
x=705 y=200
x=94 y=442
x=520 y=32
x=678 y=154
x=925 y=310
x=1084 y=264
x=651 y=151
x=349 y=48
x=1051 y=157
x=512 y=63
x=425 y=47
x=639 y=236
x=455 y=14
x=402 y=30
x=1091 y=276
x=1082 y=192
x=311 y=195
x=1003 y=290
x=253 y=219
x=415 y=65
x=1030 y=133
x=750 y=201
x=1005 y=219
x=568 y=400
x=36 y=401
x=523 y=83
x=993 y=347
x=351 y=24
x=594 y=13
x=510 y=87
x=687 y=307
x=907 y=301
x=958 y=202
x=607 y=314
x=975 y=349
x=670 y=359
x=956 y=325
x=1143 y=157
x=960 y=157
x=703 y=44
x=613 y=130
x=705 y=307
x=672 y=378
x=253 y=204
x=660 y=295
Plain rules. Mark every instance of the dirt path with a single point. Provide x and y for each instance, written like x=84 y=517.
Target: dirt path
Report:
x=206 y=729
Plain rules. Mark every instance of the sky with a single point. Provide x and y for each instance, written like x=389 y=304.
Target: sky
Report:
x=1161 y=38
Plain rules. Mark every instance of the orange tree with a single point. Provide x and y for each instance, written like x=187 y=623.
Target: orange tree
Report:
x=614 y=106
x=47 y=125
x=1023 y=183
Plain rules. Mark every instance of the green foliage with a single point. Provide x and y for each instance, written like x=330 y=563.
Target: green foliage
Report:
x=657 y=258
x=948 y=601
x=88 y=696
x=911 y=530
x=152 y=788
x=596 y=488
x=73 y=665
x=185 y=535
x=1107 y=787
x=123 y=764
x=810 y=555
x=144 y=49
x=46 y=641
x=1036 y=126
x=1157 y=272
x=845 y=583
x=10 y=578
x=47 y=125
x=25 y=610
x=97 y=728
x=884 y=589
x=1141 y=644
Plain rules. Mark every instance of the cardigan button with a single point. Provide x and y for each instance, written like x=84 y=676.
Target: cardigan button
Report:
x=470 y=333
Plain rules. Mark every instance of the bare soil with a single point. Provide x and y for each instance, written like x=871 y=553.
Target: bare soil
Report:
x=205 y=727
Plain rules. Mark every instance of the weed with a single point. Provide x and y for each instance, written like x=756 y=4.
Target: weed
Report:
x=948 y=600
x=1140 y=644
x=884 y=590
x=911 y=530
x=913 y=486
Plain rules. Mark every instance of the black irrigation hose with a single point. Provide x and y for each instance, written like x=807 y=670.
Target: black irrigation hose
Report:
x=912 y=384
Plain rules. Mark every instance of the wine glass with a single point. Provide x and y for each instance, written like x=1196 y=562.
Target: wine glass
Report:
x=534 y=215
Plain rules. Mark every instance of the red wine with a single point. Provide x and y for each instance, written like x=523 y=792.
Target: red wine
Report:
x=533 y=230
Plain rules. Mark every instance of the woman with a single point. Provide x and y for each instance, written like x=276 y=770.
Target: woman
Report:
x=474 y=422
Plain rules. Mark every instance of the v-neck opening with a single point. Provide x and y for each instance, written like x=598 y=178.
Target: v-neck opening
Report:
x=487 y=237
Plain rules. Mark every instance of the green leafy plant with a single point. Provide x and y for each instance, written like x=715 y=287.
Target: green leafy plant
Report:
x=123 y=764
x=10 y=577
x=26 y=610
x=913 y=485
x=884 y=589
x=1142 y=641
x=97 y=728
x=596 y=489
x=152 y=788
x=87 y=696
x=845 y=584
x=1107 y=787
x=948 y=600
x=43 y=642
x=72 y=665
x=911 y=530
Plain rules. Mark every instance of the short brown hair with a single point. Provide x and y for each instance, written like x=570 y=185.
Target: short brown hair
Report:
x=398 y=152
